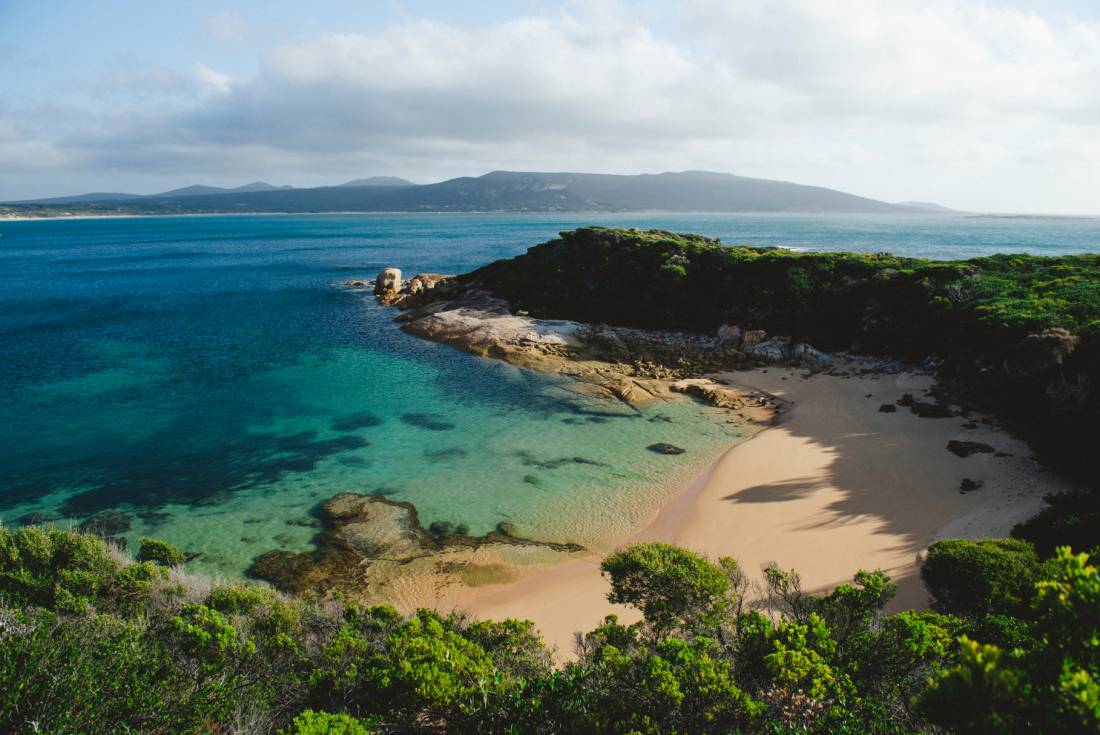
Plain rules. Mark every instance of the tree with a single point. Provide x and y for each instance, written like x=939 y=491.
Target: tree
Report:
x=674 y=588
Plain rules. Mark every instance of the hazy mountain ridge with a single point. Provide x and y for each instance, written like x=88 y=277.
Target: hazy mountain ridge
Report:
x=686 y=191
x=379 y=181
x=930 y=207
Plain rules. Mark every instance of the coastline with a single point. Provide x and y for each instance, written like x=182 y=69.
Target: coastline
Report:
x=835 y=487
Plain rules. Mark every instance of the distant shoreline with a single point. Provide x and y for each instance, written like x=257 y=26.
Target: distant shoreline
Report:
x=601 y=212
x=664 y=212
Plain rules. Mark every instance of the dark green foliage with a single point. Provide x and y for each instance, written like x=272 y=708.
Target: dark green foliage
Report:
x=976 y=578
x=1051 y=687
x=625 y=682
x=1070 y=519
x=96 y=673
x=159 y=552
x=1018 y=333
x=85 y=650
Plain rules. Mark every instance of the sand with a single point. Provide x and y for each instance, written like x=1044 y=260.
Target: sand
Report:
x=835 y=487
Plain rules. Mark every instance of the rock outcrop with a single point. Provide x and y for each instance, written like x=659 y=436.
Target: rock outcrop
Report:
x=388 y=284
x=448 y=309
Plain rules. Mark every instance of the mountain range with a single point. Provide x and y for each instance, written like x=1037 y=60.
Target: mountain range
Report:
x=505 y=191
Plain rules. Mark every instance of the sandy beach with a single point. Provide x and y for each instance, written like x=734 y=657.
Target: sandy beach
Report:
x=836 y=486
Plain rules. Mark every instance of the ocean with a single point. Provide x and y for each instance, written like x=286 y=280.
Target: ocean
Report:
x=209 y=381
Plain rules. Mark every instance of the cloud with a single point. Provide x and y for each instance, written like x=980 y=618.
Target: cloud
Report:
x=211 y=79
x=941 y=99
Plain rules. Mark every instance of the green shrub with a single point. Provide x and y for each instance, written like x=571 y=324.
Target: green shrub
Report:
x=977 y=578
x=674 y=588
x=69 y=571
x=1069 y=519
x=99 y=674
x=239 y=598
x=160 y=552
x=327 y=723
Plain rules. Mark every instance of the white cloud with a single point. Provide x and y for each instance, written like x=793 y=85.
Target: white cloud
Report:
x=212 y=79
x=954 y=100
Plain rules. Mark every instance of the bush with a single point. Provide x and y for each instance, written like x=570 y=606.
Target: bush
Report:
x=674 y=588
x=1070 y=519
x=95 y=674
x=69 y=571
x=160 y=552
x=327 y=723
x=977 y=578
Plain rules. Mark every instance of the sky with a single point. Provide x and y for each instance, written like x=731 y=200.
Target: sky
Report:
x=982 y=105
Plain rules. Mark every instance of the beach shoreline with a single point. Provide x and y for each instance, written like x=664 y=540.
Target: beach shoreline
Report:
x=836 y=486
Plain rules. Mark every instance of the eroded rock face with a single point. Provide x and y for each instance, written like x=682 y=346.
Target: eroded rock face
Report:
x=365 y=539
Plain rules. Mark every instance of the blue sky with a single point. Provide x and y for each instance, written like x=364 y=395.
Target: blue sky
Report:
x=977 y=104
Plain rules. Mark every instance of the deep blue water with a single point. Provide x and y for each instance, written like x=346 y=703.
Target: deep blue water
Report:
x=210 y=377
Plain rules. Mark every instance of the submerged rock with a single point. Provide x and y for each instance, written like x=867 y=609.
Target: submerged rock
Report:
x=364 y=538
x=37 y=519
x=665 y=448
x=429 y=421
x=967 y=448
x=107 y=523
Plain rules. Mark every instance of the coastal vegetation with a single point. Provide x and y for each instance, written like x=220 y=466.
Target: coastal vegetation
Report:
x=92 y=641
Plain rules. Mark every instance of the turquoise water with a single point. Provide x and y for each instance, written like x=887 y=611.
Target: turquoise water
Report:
x=209 y=377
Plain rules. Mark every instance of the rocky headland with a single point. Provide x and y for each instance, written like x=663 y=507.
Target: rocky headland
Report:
x=620 y=363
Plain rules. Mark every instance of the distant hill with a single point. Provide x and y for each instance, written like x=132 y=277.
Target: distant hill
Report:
x=199 y=190
x=929 y=207
x=187 y=191
x=379 y=181
x=508 y=191
x=95 y=196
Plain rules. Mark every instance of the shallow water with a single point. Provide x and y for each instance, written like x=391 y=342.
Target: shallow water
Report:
x=208 y=376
